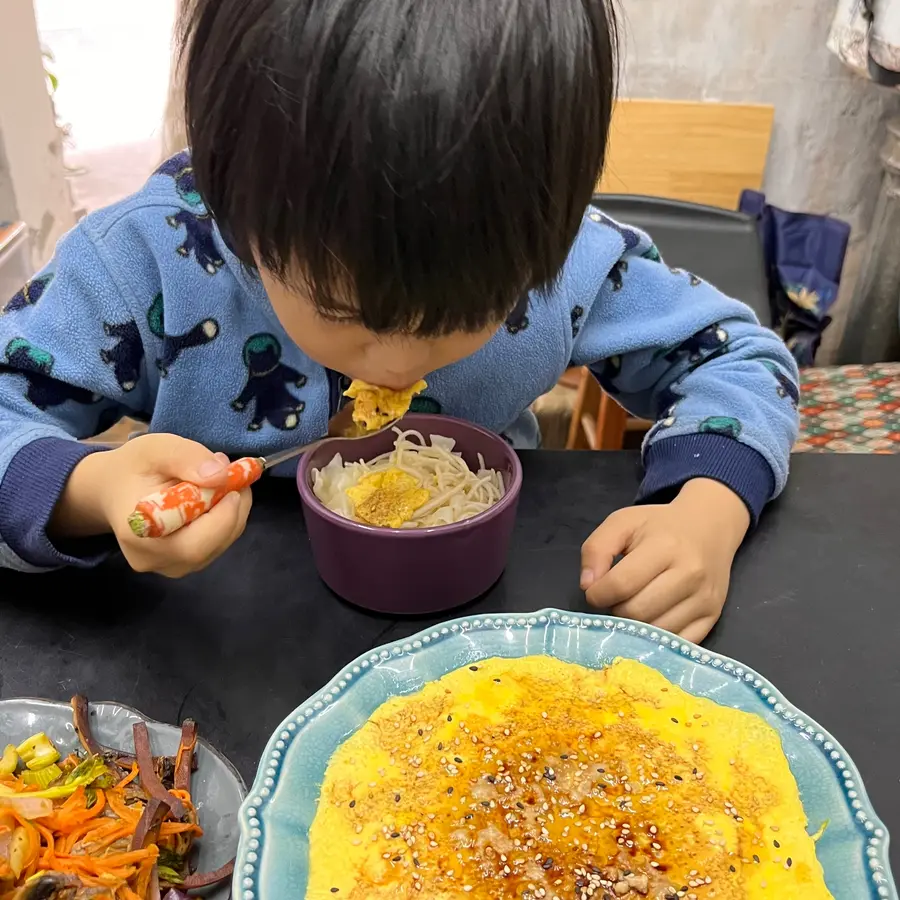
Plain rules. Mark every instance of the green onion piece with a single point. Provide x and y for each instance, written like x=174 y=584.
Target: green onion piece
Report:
x=9 y=761
x=40 y=760
x=169 y=875
x=106 y=781
x=44 y=777
x=82 y=775
x=87 y=771
x=37 y=745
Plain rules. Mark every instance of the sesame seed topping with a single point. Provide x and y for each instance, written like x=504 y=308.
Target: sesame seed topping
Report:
x=530 y=798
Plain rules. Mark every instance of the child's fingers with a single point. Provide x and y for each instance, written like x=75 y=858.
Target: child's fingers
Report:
x=245 y=502
x=180 y=459
x=630 y=576
x=682 y=617
x=626 y=580
x=648 y=604
x=195 y=545
x=697 y=631
x=607 y=542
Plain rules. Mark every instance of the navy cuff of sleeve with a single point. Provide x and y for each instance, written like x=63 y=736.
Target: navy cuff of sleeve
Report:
x=29 y=492
x=670 y=462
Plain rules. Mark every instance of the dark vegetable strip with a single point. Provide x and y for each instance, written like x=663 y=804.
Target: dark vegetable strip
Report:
x=82 y=718
x=193 y=882
x=126 y=760
x=147 y=831
x=185 y=759
x=149 y=779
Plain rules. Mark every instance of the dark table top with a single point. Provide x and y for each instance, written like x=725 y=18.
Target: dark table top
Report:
x=815 y=604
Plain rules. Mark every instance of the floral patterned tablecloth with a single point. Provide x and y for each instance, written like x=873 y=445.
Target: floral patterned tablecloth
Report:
x=850 y=409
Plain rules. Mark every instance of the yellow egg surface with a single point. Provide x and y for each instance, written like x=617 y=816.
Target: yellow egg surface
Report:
x=535 y=779
x=387 y=498
x=374 y=407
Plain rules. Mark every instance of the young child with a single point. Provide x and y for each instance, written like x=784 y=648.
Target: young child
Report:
x=383 y=190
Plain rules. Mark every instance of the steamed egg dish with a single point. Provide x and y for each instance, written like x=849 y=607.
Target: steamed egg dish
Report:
x=536 y=779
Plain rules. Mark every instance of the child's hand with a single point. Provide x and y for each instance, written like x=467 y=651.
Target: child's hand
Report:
x=677 y=559
x=104 y=488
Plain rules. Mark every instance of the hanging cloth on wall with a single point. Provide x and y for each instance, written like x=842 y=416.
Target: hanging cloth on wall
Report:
x=865 y=35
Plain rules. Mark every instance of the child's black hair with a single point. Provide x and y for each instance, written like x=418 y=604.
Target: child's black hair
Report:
x=416 y=165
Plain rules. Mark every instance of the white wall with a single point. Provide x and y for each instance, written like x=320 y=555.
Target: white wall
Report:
x=828 y=122
x=112 y=60
x=33 y=187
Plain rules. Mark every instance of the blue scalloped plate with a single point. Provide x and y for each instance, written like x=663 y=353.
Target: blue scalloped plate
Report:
x=273 y=852
x=216 y=787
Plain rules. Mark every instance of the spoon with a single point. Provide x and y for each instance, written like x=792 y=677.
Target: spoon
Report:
x=164 y=512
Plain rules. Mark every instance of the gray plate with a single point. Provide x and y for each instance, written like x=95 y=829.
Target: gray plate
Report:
x=217 y=788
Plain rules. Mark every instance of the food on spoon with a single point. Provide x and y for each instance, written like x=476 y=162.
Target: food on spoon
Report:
x=415 y=485
x=98 y=824
x=374 y=407
x=535 y=778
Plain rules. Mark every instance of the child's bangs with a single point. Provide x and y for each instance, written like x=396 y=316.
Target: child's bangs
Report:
x=416 y=166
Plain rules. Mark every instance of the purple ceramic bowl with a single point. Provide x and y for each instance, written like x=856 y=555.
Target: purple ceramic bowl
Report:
x=423 y=570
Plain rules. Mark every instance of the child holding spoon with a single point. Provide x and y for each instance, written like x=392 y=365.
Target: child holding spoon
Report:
x=383 y=190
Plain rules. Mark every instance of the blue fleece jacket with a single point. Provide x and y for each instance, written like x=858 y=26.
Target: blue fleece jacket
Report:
x=146 y=312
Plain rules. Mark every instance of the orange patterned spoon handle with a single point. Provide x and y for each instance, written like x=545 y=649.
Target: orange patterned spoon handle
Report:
x=164 y=512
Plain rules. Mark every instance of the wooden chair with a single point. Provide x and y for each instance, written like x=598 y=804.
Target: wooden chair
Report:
x=598 y=422
x=703 y=153
x=699 y=157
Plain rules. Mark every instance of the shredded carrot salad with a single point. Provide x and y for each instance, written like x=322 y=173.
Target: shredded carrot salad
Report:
x=116 y=826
